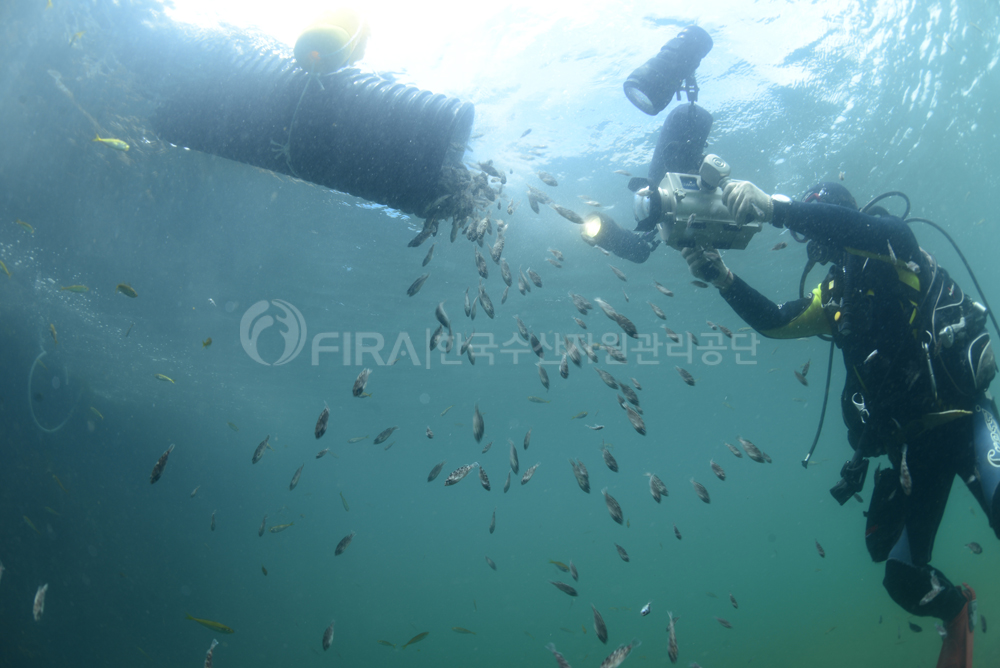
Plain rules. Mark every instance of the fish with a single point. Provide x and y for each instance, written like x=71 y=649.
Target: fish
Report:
x=554 y=263
x=805 y=367
x=116 y=144
x=725 y=623
x=717 y=470
x=478 y=424
x=622 y=553
x=484 y=479
x=801 y=378
x=96 y=412
x=677 y=532
x=753 y=452
x=700 y=490
x=543 y=376
x=608 y=379
x=820 y=550
x=672 y=640
x=645 y=609
x=321 y=422
x=514 y=466
x=344 y=542
x=779 y=246
x=384 y=435
x=581 y=475
x=535 y=278
x=295 y=478
x=417 y=284
x=445 y=411
x=491 y=563
x=506 y=485
x=260 y=531
x=459 y=473
x=278 y=528
x=581 y=303
x=636 y=420
x=25 y=225
x=31 y=524
x=322 y=452
x=126 y=290
x=505 y=274
x=915 y=628
x=435 y=471
x=672 y=334
x=562 y=662
x=259 y=452
x=975 y=548
x=527 y=474
x=536 y=346
x=685 y=376
x=160 y=376
x=600 y=628
x=904 y=473
x=343 y=500
x=609 y=459
x=580 y=415
x=563 y=587
x=328 y=636
x=629 y=393
x=614 y=509
x=527 y=439
x=481 y=266
x=728 y=332
x=497 y=248
x=213 y=520
x=233 y=426
x=385 y=643
x=595 y=427
x=211 y=648
x=459 y=629
x=5 y=269
x=207 y=342
x=360 y=383
x=733 y=449
x=656 y=487
x=573 y=572
x=39 y=606
x=568 y=214
x=486 y=302
x=547 y=178
x=618 y=272
x=75 y=288
x=160 y=464
x=356 y=439
x=59 y=482
x=207 y=623
x=493 y=520
x=732 y=600
x=560 y=565
x=415 y=639
x=564 y=367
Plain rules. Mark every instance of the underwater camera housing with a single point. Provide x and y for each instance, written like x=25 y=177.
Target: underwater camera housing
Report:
x=688 y=209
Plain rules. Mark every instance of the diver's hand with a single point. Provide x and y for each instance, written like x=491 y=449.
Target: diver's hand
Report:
x=747 y=202
x=707 y=265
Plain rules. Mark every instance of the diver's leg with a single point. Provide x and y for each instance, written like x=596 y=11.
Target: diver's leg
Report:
x=932 y=464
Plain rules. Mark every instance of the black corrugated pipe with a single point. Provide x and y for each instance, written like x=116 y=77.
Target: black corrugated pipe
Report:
x=234 y=94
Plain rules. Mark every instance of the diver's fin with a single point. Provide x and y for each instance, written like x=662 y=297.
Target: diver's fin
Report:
x=957 y=649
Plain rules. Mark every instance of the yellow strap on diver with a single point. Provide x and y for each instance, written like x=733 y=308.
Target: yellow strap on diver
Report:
x=810 y=322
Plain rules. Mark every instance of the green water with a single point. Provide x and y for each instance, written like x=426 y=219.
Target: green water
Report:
x=202 y=239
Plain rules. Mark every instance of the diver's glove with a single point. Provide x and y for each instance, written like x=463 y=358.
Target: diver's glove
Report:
x=707 y=265
x=747 y=202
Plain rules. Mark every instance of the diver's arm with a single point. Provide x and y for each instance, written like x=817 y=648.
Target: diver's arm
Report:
x=793 y=319
x=846 y=228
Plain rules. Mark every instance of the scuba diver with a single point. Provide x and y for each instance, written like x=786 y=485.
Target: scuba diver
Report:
x=919 y=364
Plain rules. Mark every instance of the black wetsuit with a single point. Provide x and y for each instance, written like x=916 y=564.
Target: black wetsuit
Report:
x=873 y=303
